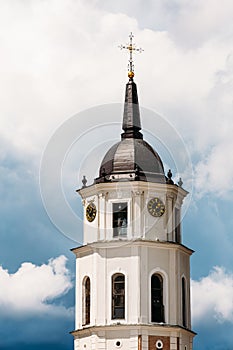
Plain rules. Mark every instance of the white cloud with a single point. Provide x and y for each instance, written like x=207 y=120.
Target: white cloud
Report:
x=203 y=21
x=34 y=288
x=215 y=173
x=191 y=23
x=59 y=57
x=54 y=55
x=212 y=296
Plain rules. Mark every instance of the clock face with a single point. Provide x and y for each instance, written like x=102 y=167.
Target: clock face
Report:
x=156 y=207
x=91 y=212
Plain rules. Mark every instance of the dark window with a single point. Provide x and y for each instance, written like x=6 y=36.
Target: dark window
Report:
x=177 y=226
x=118 y=296
x=184 y=320
x=178 y=343
x=157 y=308
x=86 y=300
x=119 y=219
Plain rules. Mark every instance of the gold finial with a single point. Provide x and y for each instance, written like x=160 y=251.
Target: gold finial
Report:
x=131 y=47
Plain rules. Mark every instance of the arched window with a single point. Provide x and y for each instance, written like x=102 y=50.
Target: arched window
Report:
x=86 y=300
x=157 y=308
x=118 y=296
x=184 y=320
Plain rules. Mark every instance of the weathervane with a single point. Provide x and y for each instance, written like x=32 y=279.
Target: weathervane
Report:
x=131 y=47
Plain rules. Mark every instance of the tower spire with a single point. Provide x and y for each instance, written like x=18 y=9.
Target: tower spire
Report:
x=131 y=118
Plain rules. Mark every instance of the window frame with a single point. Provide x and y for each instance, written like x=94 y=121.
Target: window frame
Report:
x=109 y=220
x=120 y=216
x=184 y=316
x=86 y=315
x=177 y=228
x=113 y=277
x=164 y=275
x=161 y=305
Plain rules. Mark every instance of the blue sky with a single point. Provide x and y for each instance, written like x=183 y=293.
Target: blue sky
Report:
x=61 y=57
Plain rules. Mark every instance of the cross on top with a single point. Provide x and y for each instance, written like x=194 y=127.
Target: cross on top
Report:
x=131 y=47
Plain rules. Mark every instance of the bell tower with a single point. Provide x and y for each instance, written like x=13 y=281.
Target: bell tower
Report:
x=132 y=271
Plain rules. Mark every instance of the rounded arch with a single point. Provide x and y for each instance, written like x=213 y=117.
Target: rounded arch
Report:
x=86 y=300
x=163 y=303
x=118 y=295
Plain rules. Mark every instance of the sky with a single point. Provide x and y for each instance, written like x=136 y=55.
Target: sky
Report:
x=62 y=74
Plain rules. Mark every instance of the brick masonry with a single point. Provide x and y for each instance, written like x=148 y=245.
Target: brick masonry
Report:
x=153 y=339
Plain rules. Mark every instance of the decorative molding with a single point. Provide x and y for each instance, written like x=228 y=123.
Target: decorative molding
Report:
x=103 y=195
x=170 y=196
x=92 y=200
x=137 y=193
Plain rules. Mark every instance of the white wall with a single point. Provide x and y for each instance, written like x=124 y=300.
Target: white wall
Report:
x=137 y=261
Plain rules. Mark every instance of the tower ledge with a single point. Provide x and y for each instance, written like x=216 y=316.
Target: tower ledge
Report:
x=164 y=327
x=105 y=244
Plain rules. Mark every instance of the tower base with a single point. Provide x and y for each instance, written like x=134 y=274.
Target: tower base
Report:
x=134 y=337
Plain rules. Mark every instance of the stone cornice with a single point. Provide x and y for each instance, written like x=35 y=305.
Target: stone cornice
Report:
x=135 y=186
x=89 y=248
x=88 y=330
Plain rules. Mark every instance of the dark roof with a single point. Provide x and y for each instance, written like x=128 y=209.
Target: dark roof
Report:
x=131 y=118
x=132 y=158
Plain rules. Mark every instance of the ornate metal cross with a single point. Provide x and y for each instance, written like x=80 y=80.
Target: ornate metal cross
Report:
x=131 y=47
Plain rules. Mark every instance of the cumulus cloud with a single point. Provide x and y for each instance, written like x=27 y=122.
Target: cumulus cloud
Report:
x=34 y=288
x=59 y=58
x=190 y=23
x=214 y=170
x=212 y=296
x=214 y=174
x=51 y=58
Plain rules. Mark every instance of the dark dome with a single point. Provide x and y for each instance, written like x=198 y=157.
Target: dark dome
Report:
x=131 y=159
